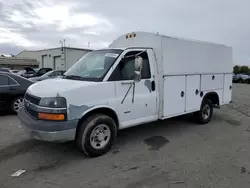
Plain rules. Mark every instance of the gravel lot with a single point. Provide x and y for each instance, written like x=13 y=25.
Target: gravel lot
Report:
x=175 y=153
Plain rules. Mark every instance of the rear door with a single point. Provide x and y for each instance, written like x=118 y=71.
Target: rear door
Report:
x=9 y=88
x=4 y=89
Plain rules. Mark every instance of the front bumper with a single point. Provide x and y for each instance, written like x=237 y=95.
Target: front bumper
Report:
x=48 y=130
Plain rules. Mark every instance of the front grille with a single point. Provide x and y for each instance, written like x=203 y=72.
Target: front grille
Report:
x=32 y=99
x=31 y=112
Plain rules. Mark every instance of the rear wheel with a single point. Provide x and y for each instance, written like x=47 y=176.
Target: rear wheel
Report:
x=17 y=104
x=96 y=135
x=206 y=112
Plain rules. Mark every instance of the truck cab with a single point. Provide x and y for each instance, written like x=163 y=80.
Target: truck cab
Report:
x=112 y=89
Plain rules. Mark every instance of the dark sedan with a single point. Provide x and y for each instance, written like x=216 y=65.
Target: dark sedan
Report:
x=12 y=90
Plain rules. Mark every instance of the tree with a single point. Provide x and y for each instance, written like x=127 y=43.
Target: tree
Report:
x=241 y=69
x=244 y=70
x=236 y=69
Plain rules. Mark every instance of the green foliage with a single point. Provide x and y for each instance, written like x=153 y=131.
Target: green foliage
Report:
x=244 y=70
x=236 y=69
x=241 y=69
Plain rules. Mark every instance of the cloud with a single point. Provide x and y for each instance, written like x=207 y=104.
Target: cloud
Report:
x=35 y=25
x=44 y=24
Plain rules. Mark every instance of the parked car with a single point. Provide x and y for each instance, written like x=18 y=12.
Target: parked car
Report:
x=9 y=70
x=5 y=70
x=14 y=71
x=28 y=72
x=48 y=75
x=12 y=90
x=243 y=78
x=247 y=80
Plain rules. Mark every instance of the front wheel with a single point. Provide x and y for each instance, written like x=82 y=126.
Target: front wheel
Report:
x=206 y=112
x=96 y=135
x=17 y=104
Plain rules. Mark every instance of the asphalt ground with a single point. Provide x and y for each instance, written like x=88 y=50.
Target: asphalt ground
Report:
x=176 y=153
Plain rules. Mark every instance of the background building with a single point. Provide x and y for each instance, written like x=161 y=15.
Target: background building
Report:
x=61 y=58
x=17 y=63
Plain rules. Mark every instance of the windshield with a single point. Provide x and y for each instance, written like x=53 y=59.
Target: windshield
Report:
x=94 y=65
x=47 y=74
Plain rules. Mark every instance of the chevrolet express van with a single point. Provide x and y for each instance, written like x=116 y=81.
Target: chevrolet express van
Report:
x=142 y=77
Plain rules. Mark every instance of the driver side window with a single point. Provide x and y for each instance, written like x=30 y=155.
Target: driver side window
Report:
x=125 y=69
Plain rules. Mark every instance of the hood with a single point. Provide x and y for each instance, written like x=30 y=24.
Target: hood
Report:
x=54 y=87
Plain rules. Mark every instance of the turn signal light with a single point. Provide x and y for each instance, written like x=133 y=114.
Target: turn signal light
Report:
x=53 y=117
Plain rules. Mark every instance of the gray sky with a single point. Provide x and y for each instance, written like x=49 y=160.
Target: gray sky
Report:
x=30 y=24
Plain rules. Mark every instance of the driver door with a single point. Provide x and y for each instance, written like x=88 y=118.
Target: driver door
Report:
x=136 y=101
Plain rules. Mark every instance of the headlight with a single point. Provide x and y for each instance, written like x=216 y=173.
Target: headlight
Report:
x=55 y=102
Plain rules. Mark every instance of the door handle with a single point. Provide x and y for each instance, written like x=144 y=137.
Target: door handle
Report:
x=196 y=91
x=127 y=83
x=153 y=85
x=182 y=94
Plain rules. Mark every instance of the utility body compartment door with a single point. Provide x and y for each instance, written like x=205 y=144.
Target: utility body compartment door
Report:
x=227 y=90
x=193 y=99
x=211 y=82
x=174 y=95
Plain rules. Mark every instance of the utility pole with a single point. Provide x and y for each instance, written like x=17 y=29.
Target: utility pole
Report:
x=63 y=49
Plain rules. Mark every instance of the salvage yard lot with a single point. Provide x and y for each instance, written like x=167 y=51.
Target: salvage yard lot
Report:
x=174 y=153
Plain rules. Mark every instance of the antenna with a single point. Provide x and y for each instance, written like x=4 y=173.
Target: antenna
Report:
x=61 y=45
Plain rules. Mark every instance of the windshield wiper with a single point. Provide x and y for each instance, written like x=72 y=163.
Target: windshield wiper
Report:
x=73 y=77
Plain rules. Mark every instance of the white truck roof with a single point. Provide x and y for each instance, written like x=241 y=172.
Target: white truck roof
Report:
x=180 y=56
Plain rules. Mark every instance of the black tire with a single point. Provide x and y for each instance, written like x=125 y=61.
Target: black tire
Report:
x=83 y=134
x=12 y=107
x=199 y=116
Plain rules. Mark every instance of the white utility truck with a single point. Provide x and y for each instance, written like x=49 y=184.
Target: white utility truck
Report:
x=142 y=77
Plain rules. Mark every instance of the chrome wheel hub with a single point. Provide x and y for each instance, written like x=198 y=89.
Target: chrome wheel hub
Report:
x=18 y=104
x=100 y=136
x=206 y=111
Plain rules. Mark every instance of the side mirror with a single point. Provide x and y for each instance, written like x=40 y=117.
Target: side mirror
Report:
x=138 y=68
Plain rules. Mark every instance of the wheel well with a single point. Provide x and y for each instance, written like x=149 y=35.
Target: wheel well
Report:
x=213 y=97
x=105 y=111
x=15 y=97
